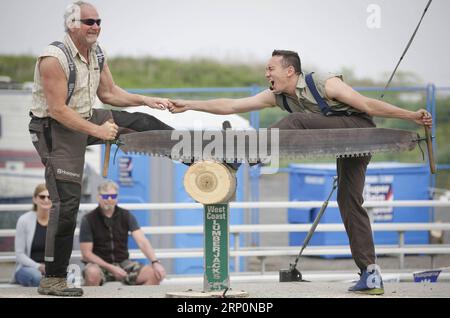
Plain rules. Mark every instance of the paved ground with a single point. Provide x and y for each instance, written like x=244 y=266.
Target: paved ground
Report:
x=266 y=286
x=330 y=277
x=255 y=290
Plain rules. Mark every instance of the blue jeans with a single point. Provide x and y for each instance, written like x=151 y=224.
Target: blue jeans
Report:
x=28 y=276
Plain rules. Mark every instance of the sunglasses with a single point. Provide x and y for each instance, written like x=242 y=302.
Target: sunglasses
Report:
x=91 y=22
x=106 y=196
x=43 y=196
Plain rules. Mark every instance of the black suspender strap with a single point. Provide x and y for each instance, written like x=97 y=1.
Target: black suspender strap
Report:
x=72 y=69
x=285 y=104
x=326 y=110
x=100 y=57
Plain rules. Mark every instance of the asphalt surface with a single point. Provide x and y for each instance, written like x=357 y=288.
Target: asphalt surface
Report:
x=262 y=287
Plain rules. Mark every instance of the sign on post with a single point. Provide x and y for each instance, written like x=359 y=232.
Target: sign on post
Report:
x=216 y=231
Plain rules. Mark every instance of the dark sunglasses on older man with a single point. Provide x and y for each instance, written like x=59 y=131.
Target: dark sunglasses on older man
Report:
x=91 y=22
x=107 y=196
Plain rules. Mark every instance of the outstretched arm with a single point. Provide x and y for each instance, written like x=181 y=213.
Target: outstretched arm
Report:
x=336 y=89
x=225 y=106
x=109 y=93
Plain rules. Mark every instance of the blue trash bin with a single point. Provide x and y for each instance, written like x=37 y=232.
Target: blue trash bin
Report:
x=384 y=181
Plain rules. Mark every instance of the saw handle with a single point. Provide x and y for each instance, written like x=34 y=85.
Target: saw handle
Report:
x=107 y=155
x=430 y=149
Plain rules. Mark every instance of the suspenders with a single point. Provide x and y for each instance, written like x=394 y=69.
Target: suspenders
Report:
x=285 y=103
x=326 y=110
x=72 y=68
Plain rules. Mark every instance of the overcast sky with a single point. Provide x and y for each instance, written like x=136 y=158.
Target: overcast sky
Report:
x=328 y=34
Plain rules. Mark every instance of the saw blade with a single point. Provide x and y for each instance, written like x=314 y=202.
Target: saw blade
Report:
x=264 y=144
x=344 y=142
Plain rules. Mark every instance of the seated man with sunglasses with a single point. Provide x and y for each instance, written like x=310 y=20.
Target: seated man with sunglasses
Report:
x=104 y=244
x=69 y=77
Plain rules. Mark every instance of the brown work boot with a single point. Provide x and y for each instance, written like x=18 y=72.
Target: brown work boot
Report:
x=57 y=286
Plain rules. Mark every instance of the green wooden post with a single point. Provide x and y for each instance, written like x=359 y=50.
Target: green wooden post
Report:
x=216 y=241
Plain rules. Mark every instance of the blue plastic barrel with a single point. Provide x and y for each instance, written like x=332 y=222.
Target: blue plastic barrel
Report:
x=384 y=181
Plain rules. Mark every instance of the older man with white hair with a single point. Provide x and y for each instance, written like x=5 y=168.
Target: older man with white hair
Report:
x=69 y=75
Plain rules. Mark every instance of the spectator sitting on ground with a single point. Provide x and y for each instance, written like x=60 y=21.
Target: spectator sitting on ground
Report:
x=31 y=232
x=104 y=244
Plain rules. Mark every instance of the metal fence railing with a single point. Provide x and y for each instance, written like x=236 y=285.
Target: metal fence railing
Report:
x=236 y=230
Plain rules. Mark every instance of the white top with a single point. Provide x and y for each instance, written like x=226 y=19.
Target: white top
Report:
x=25 y=228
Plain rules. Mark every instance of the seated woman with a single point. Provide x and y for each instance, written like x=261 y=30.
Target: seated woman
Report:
x=31 y=232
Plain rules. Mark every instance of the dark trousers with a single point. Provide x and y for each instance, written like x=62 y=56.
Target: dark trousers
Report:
x=62 y=152
x=351 y=174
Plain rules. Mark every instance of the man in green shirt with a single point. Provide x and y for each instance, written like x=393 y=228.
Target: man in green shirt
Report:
x=346 y=109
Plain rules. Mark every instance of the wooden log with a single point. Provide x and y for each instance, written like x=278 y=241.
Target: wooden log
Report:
x=210 y=182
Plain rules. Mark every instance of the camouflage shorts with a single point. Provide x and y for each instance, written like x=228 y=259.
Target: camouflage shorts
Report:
x=131 y=267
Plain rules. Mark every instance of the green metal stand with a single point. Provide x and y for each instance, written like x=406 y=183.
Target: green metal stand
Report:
x=216 y=247
x=201 y=182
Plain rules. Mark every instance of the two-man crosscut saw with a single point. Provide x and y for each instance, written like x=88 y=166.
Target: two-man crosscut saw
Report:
x=262 y=145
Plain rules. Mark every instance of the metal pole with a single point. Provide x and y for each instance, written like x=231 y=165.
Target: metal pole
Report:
x=431 y=108
x=433 y=141
x=236 y=247
x=401 y=243
x=263 y=264
x=254 y=175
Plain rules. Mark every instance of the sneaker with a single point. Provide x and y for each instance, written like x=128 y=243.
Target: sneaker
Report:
x=57 y=286
x=370 y=282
